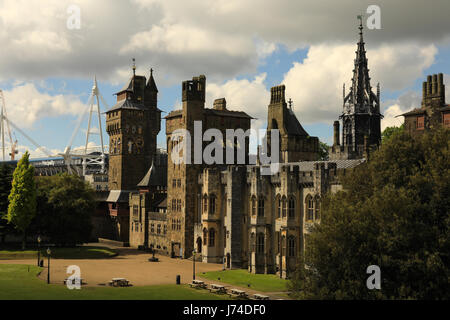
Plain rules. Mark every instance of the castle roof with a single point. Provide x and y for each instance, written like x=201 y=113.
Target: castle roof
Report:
x=223 y=113
x=293 y=126
x=155 y=176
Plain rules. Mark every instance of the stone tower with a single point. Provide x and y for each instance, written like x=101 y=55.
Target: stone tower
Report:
x=361 y=117
x=295 y=142
x=132 y=124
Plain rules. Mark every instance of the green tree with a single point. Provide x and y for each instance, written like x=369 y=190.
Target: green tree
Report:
x=394 y=212
x=388 y=132
x=6 y=172
x=22 y=199
x=65 y=207
x=323 y=151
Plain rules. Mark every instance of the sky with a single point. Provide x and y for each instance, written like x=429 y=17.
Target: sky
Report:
x=48 y=64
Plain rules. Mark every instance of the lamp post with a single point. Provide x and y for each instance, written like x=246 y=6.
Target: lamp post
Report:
x=193 y=264
x=39 y=250
x=48 y=264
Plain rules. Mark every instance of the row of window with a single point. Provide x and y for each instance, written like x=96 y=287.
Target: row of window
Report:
x=176 y=183
x=313 y=208
x=209 y=203
x=176 y=205
x=158 y=229
x=175 y=224
x=209 y=237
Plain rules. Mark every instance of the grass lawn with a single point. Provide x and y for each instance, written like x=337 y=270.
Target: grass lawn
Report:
x=241 y=277
x=21 y=282
x=58 y=253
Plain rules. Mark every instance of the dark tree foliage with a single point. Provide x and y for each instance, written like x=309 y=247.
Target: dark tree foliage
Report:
x=6 y=172
x=388 y=132
x=65 y=204
x=394 y=213
x=323 y=151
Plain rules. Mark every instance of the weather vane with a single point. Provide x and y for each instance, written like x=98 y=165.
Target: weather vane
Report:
x=134 y=66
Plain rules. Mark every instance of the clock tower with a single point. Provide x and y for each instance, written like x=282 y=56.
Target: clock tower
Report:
x=133 y=124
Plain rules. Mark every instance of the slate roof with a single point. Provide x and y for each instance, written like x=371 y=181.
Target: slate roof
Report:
x=118 y=196
x=127 y=104
x=414 y=112
x=293 y=126
x=223 y=113
x=155 y=176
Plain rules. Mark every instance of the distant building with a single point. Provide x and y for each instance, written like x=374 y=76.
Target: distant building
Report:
x=434 y=110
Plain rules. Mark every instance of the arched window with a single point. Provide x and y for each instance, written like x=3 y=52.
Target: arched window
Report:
x=212 y=237
x=310 y=208
x=291 y=246
x=261 y=207
x=279 y=206
x=253 y=206
x=205 y=236
x=291 y=207
x=260 y=243
x=317 y=203
x=212 y=204
x=284 y=206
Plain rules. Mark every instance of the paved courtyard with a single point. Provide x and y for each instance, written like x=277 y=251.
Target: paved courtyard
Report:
x=130 y=264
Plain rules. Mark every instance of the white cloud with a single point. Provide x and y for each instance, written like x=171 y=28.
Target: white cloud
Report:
x=26 y=104
x=315 y=85
x=222 y=39
x=250 y=96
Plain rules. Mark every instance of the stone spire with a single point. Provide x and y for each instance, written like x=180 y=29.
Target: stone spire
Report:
x=361 y=99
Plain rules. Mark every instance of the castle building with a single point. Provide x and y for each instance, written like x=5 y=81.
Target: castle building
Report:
x=132 y=124
x=433 y=112
x=361 y=117
x=234 y=213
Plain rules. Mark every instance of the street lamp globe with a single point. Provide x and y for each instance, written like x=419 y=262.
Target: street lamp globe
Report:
x=39 y=239
x=49 y=252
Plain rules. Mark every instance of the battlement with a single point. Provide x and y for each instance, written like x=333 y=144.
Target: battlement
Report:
x=194 y=90
x=277 y=94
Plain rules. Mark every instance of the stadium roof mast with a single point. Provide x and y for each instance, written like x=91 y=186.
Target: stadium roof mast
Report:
x=3 y=120
x=92 y=157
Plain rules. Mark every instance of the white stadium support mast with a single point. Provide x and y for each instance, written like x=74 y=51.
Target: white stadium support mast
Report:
x=94 y=158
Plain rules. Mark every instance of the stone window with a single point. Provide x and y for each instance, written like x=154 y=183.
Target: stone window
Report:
x=291 y=246
x=179 y=183
x=158 y=229
x=279 y=206
x=260 y=243
x=205 y=203
x=261 y=207
x=205 y=236
x=174 y=183
x=212 y=236
x=284 y=207
x=212 y=204
x=152 y=228
x=179 y=205
x=291 y=207
x=165 y=229
x=446 y=120
x=310 y=208
x=135 y=212
x=420 y=124
x=253 y=206
x=317 y=208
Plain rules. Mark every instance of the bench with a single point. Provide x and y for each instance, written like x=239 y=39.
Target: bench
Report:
x=238 y=293
x=197 y=284
x=119 y=282
x=258 y=296
x=216 y=288
x=74 y=281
